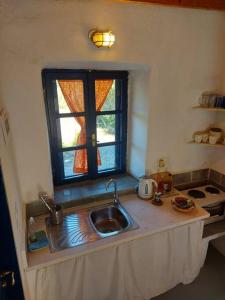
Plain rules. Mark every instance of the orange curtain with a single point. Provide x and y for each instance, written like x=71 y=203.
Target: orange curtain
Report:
x=73 y=93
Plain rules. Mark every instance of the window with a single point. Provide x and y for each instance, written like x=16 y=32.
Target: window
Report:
x=87 y=121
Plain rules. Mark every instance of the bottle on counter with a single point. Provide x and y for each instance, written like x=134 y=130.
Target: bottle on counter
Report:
x=31 y=230
x=160 y=182
x=167 y=182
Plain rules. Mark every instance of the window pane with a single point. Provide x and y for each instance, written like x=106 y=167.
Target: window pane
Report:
x=107 y=157
x=105 y=128
x=105 y=95
x=71 y=134
x=70 y=94
x=68 y=161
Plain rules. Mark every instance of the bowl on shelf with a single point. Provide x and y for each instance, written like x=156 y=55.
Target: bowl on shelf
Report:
x=216 y=132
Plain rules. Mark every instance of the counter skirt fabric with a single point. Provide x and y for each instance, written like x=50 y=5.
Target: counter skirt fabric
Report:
x=135 y=270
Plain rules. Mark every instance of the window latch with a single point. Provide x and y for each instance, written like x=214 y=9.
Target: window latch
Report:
x=93 y=140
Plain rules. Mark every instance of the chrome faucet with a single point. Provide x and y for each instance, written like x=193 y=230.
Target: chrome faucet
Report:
x=115 y=196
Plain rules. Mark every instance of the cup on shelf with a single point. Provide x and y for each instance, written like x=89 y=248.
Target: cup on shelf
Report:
x=204 y=100
x=219 y=101
x=223 y=102
x=213 y=139
x=198 y=138
x=211 y=101
x=205 y=137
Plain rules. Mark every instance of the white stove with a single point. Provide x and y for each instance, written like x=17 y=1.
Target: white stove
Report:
x=211 y=199
x=205 y=195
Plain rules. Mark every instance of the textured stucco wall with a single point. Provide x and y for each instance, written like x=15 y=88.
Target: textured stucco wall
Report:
x=183 y=50
x=14 y=200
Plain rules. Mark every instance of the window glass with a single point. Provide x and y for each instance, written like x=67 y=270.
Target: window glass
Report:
x=107 y=154
x=71 y=134
x=110 y=102
x=68 y=163
x=105 y=128
x=70 y=95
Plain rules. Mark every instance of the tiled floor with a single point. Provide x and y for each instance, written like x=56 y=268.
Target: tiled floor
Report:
x=209 y=285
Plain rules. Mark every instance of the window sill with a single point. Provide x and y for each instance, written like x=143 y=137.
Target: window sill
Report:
x=85 y=192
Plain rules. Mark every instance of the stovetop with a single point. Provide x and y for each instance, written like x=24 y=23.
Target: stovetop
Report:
x=205 y=195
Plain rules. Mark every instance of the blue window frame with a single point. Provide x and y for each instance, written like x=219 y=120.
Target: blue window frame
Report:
x=105 y=126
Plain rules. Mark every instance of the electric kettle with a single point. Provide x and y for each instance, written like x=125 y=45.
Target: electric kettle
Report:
x=146 y=188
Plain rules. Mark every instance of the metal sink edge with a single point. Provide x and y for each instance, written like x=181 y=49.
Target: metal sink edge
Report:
x=77 y=229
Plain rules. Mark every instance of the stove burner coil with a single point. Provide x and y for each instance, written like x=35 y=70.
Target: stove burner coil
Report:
x=212 y=190
x=196 y=194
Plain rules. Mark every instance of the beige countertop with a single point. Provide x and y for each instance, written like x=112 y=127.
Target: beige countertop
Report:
x=150 y=218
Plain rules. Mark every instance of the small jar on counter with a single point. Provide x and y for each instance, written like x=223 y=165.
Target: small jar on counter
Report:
x=157 y=199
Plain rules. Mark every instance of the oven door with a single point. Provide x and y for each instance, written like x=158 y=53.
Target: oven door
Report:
x=216 y=211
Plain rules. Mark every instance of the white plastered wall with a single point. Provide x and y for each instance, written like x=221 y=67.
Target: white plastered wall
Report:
x=183 y=49
x=15 y=204
x=138 y=120
x=218 y=157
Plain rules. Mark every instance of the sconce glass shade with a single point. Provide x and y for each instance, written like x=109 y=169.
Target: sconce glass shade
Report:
x=102 y=39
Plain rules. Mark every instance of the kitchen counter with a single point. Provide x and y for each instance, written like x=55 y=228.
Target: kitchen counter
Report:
x=150 y=218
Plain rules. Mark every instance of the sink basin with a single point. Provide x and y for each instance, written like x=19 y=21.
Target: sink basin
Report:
x=88 y=225
x=111 y=220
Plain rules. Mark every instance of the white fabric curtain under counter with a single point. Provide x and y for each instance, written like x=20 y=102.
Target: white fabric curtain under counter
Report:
x=134 y=270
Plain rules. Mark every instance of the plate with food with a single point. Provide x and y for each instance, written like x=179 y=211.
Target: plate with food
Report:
x=183 y=204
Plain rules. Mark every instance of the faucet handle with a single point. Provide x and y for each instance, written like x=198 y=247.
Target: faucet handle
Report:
x=43 y=195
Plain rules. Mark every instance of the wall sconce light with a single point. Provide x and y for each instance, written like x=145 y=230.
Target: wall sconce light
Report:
x=101 y=38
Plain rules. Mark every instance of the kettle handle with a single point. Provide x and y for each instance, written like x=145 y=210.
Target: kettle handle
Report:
x=146 y=189
x=155 y=183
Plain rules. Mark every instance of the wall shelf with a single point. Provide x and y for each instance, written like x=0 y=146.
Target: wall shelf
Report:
x=207 y=144
x=216 y=109
x=209 y=108
x=205 y=4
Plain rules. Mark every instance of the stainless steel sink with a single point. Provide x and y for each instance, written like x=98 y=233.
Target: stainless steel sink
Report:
x=111 y=220
x=87 y=225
